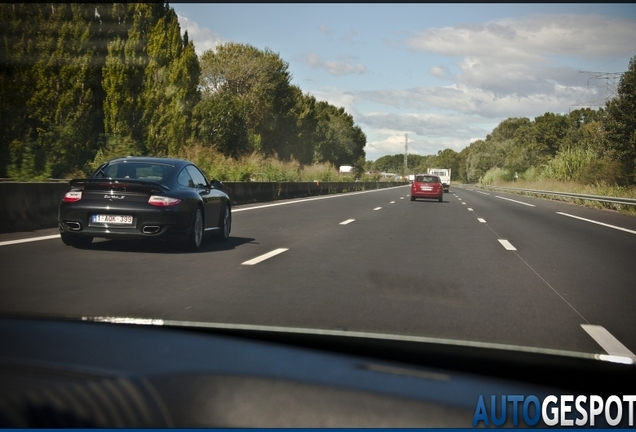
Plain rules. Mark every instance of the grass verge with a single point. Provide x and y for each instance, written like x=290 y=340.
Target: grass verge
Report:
x=577 y=188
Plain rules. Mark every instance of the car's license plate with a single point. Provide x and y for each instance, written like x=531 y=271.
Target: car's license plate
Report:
x=427 y=188
x=113 y=219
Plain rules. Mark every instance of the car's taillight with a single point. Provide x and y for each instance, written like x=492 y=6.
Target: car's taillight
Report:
x=163 y=201
x=72 y=196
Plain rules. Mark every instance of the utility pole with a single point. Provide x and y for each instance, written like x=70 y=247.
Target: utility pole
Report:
x=610 y=78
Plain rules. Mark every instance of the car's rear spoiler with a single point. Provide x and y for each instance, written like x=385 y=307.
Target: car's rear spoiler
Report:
x=96 y=183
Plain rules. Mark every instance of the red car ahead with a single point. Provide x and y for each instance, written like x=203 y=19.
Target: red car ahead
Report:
x=427 y=186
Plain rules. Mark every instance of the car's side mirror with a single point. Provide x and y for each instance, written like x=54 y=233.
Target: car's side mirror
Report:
x=216 y=184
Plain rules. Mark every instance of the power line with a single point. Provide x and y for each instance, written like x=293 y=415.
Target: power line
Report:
x=620 y=56
x=610 y=78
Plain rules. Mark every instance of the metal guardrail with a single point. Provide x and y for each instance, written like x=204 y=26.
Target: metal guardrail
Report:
x=600 y=198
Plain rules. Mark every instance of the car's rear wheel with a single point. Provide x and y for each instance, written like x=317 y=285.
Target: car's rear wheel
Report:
x=412 y=198
x=76 y=240
x=226 y=224
x=441 y=198
x=195 y=237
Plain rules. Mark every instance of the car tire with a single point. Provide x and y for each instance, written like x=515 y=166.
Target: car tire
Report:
x=75 y=240
x=195 y=236
x=68 y=239
x=412 y=198
x=441 y=199
x=225 y=225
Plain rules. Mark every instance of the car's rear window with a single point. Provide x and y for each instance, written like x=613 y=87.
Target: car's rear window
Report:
x=135 y=170
x=427 y=179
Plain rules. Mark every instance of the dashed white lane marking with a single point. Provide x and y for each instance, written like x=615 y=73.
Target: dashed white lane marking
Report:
x=608 y=342
x=265 y=256
x=464 y=202
x=599 y=223
x=518 y=202
x=348 y=221
x=484 y=193
x=392 y=202
x=506 y=244
x=11 y=242
x=377 y=208
x=481 y=220
x=401 y=197
x=312 y=199
x=469 y=209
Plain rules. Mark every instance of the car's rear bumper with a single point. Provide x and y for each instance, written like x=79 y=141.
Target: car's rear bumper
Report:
x=424 y=194
x=148 y=221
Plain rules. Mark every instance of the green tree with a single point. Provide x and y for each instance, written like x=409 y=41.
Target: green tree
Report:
x=169 y=88
x=550 y=133
x=260 y=81
x=16 y=84
x=482 y=156
x=448 y=158
x=339 y=141
x=299 y=126
x=220 y=124
x=620 y=122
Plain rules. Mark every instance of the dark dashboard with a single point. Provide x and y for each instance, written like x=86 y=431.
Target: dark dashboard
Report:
x=82 y=373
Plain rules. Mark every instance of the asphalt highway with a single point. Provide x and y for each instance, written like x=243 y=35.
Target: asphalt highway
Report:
x=480 y=266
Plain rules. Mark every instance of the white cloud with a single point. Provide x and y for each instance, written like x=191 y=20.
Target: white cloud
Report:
x=342 y=66
x=425 y=125
x=428 y=133
x=390 y=144
x=339 y=98
x=510 y=66
x=349 y=36
x=466 y=100
x=326 y=30
x=533 y=38
x=203 y=38
x=442 y=72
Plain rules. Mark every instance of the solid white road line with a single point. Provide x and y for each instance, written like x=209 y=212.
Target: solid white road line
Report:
x=11 y=242
x=348 y=221
x=265 y=256
x=377 y=208
x=469 y=209
x=598 y=223
x=608 y=342
x=506 y=244
x=312 y=199
x=518 y=202
x=481 y=220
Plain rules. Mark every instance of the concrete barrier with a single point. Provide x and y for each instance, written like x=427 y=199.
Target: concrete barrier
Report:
x=31 y=206
x=253 y=192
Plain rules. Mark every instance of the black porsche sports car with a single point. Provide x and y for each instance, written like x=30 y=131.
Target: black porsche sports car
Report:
x=145 y=197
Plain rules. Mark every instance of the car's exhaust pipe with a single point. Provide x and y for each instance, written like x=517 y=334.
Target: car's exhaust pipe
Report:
x=150 y=229
x=73 y=226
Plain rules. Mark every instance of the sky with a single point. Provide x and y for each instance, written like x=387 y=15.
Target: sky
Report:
x=444 y=75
